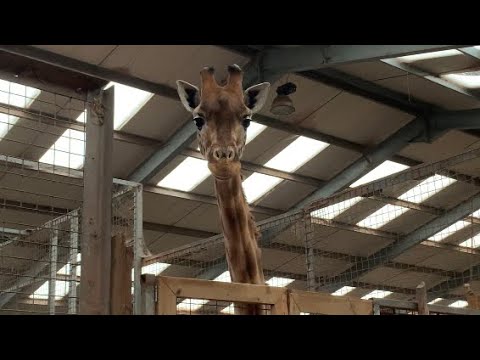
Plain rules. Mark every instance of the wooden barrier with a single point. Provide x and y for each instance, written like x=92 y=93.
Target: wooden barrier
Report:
x=282 y=301
x=171 y=288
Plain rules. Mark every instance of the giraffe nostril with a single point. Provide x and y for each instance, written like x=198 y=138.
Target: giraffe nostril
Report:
x=217 y=154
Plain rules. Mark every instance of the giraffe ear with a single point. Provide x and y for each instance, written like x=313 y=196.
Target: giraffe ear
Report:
x=256 y=96
x=189 y=95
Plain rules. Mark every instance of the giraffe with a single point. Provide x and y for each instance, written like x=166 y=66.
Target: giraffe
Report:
x=222 y=115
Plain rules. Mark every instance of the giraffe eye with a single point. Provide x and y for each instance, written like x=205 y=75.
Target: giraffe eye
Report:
x=246 y=122
x=199 y=122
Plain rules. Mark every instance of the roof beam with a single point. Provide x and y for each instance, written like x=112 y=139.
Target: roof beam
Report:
x=27 y=278
x=414 y=238
x=461 y=119
x=369 y=161
x=10 y=162
x=88 y=69
x=427 y=76
x=440 y=290
x=266 y=170
x=471 y=51
x=311 y=57
x=177 y=230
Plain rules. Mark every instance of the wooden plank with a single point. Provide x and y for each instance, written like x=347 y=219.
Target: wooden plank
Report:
x=293 y=308
x=167 y=300
x=281 y=306
x=320 y=303
x=421 y=296
x=216 y=290
x=121 y=282
x=148 y=294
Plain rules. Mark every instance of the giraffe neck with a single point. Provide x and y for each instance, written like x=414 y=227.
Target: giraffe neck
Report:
x=240 y=232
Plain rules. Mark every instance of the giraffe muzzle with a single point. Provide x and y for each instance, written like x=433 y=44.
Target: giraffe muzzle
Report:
x=226 y=153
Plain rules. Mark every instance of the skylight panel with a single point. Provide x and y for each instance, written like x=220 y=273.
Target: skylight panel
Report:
x=187 y=175
x=385 y=169
x=470 y=80
x=257 y=185
x=230 y=310
x=429 y=55
x=128 y=101
x=382 y=216
x=16 y=95
x=69 y=150
x=459 y=225
x=289 y=159
x=296 y=154
x=473 y=242
x=459 y=304
x=6 y=123
x=66 y=269
x=417 y=194
x=279 y=281
x=427 y=188
x=343 y=290
x=192 y=171
x=434 y=301
x=155 y=268
x=378 y=294
x=332 y=211
x=61 y=289
x=254 y=130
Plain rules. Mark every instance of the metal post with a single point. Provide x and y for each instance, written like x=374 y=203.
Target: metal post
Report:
x=376 y=308
x=97 y=205
x=310 y=256
x=73 y=251
x=138 y=250
x=53 y=268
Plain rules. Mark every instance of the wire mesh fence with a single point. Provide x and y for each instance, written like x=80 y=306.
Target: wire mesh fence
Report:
x=376 y=240
x=42 y=150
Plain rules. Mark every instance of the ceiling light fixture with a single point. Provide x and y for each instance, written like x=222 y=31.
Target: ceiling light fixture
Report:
x=282 y=104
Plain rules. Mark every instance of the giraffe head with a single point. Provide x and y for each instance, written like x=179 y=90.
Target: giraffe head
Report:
x=222 y=115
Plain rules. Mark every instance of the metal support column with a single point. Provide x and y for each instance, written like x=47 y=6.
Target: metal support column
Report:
x=309 y=252
x=138 y=251
x=97 y=205
x=72 y=256
x=53 y=268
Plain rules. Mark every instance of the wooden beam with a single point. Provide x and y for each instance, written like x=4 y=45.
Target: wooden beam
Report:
x=121 y=277
x=421 y=297
x=97 y=209
x=170 y=288
x=148 y=294
x=325 y=304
